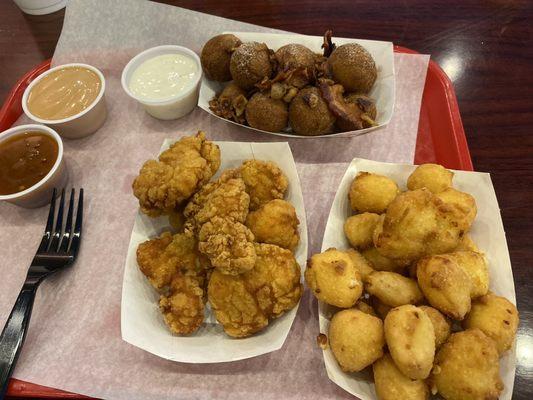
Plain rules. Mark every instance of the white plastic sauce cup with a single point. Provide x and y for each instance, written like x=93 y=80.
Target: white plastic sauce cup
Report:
x=176 y=106
x=40 y=7
x=40 y=193
x=78 y=125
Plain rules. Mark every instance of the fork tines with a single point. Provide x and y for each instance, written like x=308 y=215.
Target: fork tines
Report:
x=59 y=237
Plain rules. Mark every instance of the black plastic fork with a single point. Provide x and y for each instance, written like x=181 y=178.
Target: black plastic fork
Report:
x=58 y=249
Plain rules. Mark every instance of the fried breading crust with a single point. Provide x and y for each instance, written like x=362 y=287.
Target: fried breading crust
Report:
x=223 y=198
x=181 y=170
x=228 y=244
x=161 y=258
x=176 y=269
x=264 y=181
x=183 y=308
x=276 y=223
x=244 y=303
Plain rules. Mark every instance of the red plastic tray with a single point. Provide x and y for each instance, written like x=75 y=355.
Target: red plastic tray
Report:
x=441 y=139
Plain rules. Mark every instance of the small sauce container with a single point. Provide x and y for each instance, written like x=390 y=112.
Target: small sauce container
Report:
x=86 y=119
x=171 y=106
x=39 y=193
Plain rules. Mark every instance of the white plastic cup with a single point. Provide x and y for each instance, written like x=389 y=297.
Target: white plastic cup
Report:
x=40 y=7
x=40 y=193
x=176 y=106
x=78 y=125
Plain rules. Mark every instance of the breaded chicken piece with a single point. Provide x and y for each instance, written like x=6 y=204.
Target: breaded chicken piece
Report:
x=276 y=223
x=417 y=223
x=275 y=280
x=183 y=307
x=264 y=181
x=161 y=258
x=181 y=170
x=176 y=269
x=244 y=303
x=176 y=219
x=220 y=199
x=228 y=244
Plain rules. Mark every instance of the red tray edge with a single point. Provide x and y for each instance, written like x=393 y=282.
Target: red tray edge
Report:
x=12 y=109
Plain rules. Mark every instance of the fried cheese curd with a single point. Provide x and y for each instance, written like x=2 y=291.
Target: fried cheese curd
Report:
x=497 y=317
x=372 y=193
x=433 y=177
x=334 y=279
x=163 y=185
x=361 y=263
x=393 y=289
x=475 y=266
x=441 y=325
x=264 y=182
x=276 y=223
x=467 y=368
x=359 y=229
x=356 y=339
x=445 y=285
x=381 y=263
x=417 y=224
x=245 y=303
x=392 y=384
x=410 y=338
x=463 y=206
x=228 y=244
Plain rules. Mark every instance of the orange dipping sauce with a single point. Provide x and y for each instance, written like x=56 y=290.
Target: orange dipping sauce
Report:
x=25 y=159
x=64 y=93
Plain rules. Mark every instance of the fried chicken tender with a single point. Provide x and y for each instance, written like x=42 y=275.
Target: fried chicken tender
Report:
x=264 y=181
x=334 y=279
x=161 y=258
x=276 y=223
x=411 y=340
x=175 y=268
x=245 y=303
x=228 y=244
x=183 y=307
x=416 y=224
x=467 y=368
x=356 y=339
x=163 y=185
x=497 y=317
x=224 y=198
x=391 y=384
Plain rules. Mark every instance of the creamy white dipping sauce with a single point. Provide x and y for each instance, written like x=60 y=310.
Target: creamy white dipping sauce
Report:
x=163 y=77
